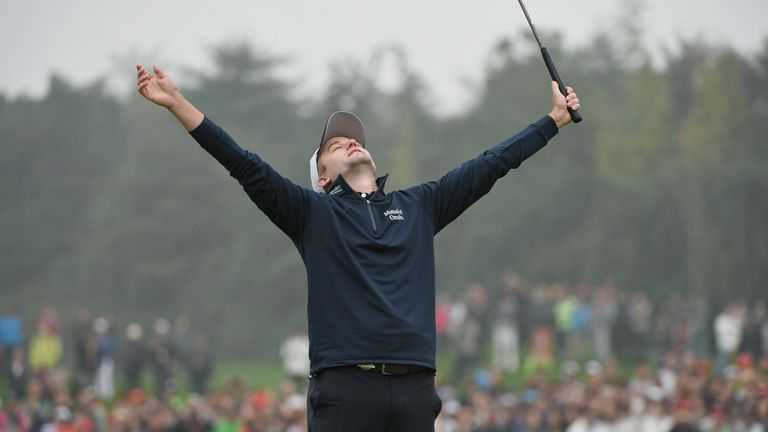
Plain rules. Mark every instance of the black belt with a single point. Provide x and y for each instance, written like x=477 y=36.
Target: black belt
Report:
x=392 y=369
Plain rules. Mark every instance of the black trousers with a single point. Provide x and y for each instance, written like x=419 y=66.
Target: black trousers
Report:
x=350 y=400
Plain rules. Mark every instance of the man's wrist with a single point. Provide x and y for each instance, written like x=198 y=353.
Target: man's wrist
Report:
x=177 y=101
x=561 y=119
x=186 y=113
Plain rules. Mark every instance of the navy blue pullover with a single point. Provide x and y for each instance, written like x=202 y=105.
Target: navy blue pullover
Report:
x=370 y=260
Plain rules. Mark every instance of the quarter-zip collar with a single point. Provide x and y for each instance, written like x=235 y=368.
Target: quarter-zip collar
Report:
x=342 y=188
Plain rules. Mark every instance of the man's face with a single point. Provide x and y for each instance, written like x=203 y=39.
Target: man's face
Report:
x=342 y=156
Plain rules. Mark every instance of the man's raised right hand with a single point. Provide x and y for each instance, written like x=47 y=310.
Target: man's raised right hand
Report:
x=159 y=88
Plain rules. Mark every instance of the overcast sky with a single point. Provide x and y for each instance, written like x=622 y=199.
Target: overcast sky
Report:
x=447 y=41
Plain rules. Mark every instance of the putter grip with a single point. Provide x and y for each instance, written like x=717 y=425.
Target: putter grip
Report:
x=575 y=116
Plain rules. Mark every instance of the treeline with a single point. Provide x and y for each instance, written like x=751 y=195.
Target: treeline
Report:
x=109 y=205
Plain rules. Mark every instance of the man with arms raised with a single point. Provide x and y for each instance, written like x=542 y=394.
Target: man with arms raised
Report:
x=369 y=257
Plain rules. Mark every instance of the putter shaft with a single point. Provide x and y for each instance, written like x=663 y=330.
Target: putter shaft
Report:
x=530 y=23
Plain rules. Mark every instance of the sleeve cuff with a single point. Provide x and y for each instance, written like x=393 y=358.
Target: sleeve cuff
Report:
x=206 y=132
x=547 y=126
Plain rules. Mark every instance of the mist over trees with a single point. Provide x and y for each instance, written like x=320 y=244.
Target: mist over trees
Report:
x=108 y=204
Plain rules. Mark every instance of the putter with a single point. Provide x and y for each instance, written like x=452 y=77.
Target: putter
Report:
x=575 y=116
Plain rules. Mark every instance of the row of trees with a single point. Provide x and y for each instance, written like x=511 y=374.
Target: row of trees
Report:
x=108 y=204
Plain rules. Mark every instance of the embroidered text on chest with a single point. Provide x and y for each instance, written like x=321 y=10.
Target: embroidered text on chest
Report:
x=394 y=214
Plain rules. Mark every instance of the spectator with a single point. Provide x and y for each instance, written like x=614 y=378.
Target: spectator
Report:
x=514 y=283
x=698 y=311
x=764 y=339
x=471 y=333
x=17 y=374
x=134 y=356
x=442 y=319
x=760 y=413
x=580 y=323
x=90 y=412
x=63 y=421
x=16 y=415
x=541 y=357
x=540 y=317
x=654 y=417
x=5 y=420
x=295 y=355
x=604 y=313
x=200 y=365
x=162 y=356
x=38 y=404
x=227 y=418
x=196 y=416
x=182 y=339
x=506 y=332
x=728 y=332
x=541 y=332
x=45 y=349
x=640 y=314
x=564 y=310
x=105 y=373
x=752 y=340
x=86 y=350
x=11 y=333
x=292 y=408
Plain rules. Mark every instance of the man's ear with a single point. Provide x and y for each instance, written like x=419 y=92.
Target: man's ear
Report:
x=323 y=181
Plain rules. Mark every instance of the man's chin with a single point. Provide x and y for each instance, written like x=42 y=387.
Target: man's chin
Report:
x=357 y=158
x=361 y=161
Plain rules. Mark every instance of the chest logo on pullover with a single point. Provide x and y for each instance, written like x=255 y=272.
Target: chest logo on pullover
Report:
x=394 y=214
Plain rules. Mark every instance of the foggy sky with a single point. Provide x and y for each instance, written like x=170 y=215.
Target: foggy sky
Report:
x=447 y=41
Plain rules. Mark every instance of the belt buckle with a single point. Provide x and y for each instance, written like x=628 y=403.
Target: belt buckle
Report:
x=384 y=369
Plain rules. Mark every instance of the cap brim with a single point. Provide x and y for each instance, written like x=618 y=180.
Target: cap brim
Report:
x=343 y=124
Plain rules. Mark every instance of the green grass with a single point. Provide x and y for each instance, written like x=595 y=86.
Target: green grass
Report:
x=256 y=374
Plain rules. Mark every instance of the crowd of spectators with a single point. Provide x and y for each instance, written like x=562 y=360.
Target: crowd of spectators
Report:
x=598 y=358
x=37 y=391
x=584 y=322
x=524 y=357
x=682 y=394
